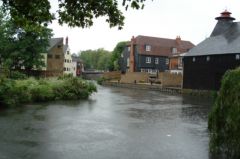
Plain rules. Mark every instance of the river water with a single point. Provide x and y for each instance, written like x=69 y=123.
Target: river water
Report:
x=115 y=123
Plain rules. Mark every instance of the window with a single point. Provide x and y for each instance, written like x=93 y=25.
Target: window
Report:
x=193 y=59
x=128 y=48
x=148 y=47
x=59 y=46
x=208 y=58
x=180 y=62
x=49 y=56
x=57 y=56
x=65 y=60
x=127 y=62
x=237 y=57
x=64 y=69
x=174 y=50
x=148 y=59
x=167 y=61
x=156 y=60
x=68 y=52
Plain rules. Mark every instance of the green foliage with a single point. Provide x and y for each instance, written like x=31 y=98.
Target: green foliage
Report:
x=73 y=12
x=96 y=59
x=17 y=75
x=224 y=119
x=65 y=76
x=114 y=63
x=21 y=44
x=16 y=92
x=101 y=80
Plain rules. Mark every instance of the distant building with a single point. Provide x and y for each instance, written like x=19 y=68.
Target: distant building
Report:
x=175 y=63
x=151 y=54
x=205 y=64
x=58 y=60
x=68 y=65
x=55 y=57
x=78 y=65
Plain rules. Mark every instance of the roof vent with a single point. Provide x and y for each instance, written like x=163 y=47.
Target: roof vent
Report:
x=226 y=15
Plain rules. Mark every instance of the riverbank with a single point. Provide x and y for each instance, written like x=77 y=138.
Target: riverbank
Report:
x=17 y=92
x=158 y=87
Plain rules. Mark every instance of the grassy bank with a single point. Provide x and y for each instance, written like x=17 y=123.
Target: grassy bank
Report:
x=16 y=92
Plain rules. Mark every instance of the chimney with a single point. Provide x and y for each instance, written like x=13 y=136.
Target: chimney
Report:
x=131 y=58
x=66 y=40
x=178 y=40
x=224 y=23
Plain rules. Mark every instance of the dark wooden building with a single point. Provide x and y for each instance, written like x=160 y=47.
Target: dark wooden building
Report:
x=151 y=54
x=205 y=64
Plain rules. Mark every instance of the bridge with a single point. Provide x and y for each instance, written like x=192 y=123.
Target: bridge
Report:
x=92 y=75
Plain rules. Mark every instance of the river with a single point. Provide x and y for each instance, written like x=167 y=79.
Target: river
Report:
x=115 y=123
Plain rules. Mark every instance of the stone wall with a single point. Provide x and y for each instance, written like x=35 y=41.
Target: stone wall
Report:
x=170 y=80
x=134 y=77
x=116 y=75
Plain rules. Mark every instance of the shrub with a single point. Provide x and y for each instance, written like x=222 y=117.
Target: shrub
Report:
x=65 y=76
x=15 y=92
x=73 y=88
x=101 y=80
x=17 y=75
x=224 y=119
x=42 y=92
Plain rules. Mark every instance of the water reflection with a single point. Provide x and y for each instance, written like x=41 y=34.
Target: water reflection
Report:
x=113 y=123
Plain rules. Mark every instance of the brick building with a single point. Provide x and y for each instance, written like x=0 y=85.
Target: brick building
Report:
x=151 y=54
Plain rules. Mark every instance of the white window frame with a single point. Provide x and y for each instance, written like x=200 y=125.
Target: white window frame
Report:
x=148 y=47
x=156 y=60
x=148 y=59
x=174 y=50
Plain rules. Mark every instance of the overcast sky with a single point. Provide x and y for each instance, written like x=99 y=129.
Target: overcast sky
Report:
x=192 y=20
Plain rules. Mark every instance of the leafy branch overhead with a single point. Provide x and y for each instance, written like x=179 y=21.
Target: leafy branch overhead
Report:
x=75 y=13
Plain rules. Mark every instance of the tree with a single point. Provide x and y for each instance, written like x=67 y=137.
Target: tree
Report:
x=79 y=13
x=224 y=119
x=116 y=55
x=22 y=46
x=96 y=59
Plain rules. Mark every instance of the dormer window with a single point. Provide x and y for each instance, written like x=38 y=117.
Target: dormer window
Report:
x=174 y=50
x=148 y=47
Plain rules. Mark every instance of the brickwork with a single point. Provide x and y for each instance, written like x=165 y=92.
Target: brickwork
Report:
x=112 y=75
x=55 y=60
x=170 y=80
x=132 y=77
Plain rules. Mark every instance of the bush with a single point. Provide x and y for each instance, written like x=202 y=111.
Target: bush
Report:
x=17 y=75
x=224 y=119
x=101 y=80
x=15 y=92
x=74 y=88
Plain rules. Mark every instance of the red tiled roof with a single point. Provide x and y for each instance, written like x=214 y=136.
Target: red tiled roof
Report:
x=161 y=46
